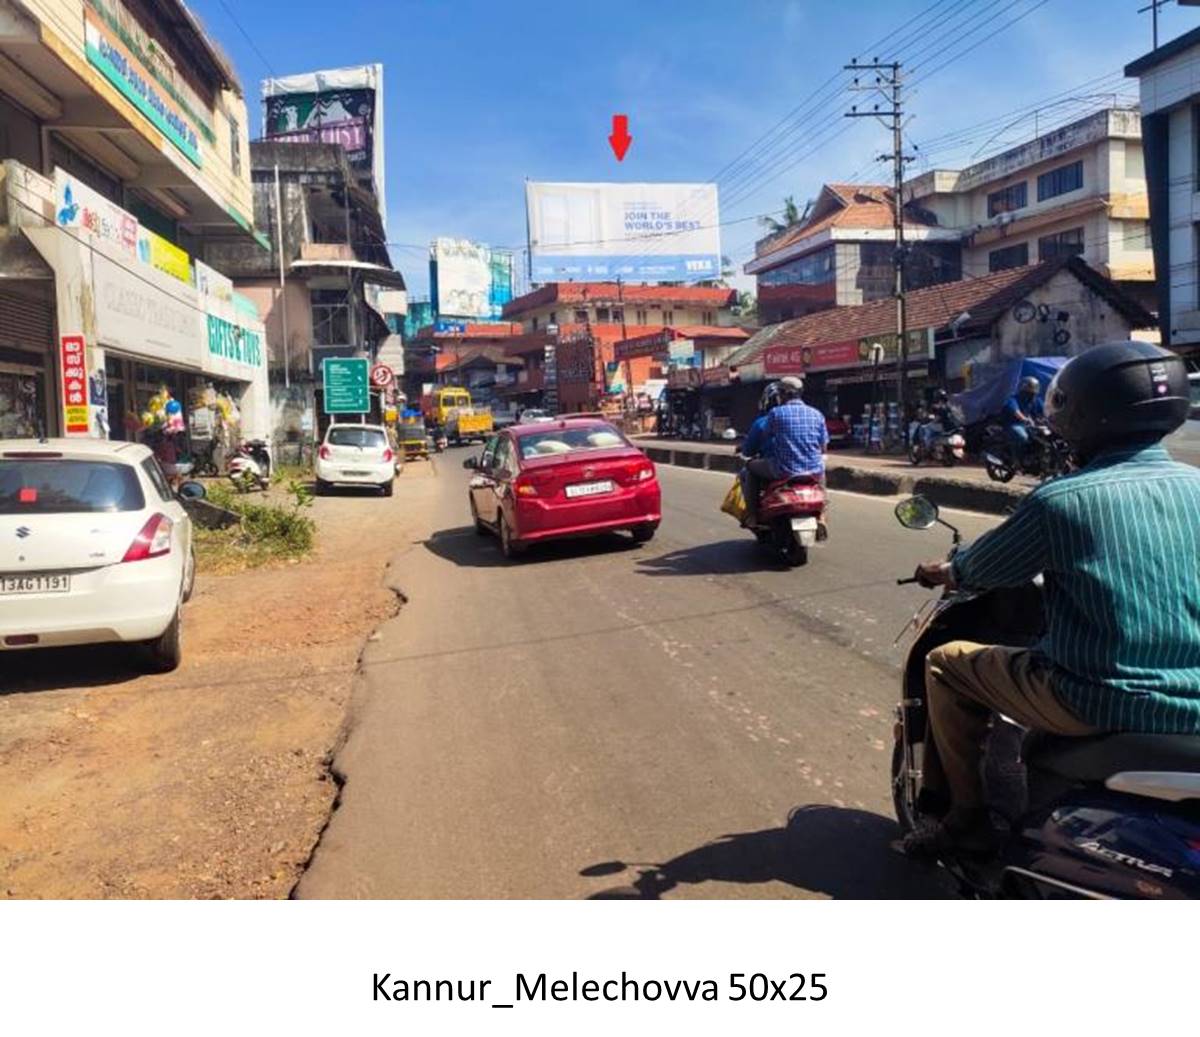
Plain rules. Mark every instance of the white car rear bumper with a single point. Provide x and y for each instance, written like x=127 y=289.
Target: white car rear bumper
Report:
x=358 y=473
x=131 y=601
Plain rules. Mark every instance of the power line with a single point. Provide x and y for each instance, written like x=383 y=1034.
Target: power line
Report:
x=247 y=37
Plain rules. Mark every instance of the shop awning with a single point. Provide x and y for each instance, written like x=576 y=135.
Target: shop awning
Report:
x=372 y=273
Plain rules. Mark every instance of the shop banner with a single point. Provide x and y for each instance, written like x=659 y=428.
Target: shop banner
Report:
x=118 y=65
x=658 y=345
x=233 y=342
x=213 y=285
x=920 y=346
x=137 y=317
x=159 y=253
x=74 y=385
x=89 y=215
x=798 y=359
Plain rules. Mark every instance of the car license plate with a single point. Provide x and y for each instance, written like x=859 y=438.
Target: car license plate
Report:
x=354 y=471
x=36 y=583
x=590 y=489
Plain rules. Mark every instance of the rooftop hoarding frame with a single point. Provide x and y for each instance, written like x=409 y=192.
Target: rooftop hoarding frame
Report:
x=645 y=233
x=336 y=106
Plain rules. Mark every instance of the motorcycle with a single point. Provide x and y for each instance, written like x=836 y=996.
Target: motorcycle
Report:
x=787 y=521
x=1046 y=457
x=250 y=466
x=945 y=445
x=1111 y=816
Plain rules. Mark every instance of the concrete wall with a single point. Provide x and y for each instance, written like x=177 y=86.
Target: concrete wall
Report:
x=267 y=298
x=1090 y=320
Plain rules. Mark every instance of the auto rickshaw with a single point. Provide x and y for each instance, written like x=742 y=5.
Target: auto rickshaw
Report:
x=414 y=440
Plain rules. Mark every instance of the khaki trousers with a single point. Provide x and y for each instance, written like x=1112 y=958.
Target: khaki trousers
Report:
x=966 y=683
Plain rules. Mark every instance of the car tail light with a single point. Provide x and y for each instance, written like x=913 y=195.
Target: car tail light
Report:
x=387 y=454
x=324 y=453
x=531 y=484
x=153 y=540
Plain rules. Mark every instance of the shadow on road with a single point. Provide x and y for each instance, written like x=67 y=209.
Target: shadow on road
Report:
x=463 y=546
x=725 y=557
x=842 y=853
x=53 y=669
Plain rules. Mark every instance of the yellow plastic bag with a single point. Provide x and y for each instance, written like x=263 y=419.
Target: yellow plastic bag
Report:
x=735 y=501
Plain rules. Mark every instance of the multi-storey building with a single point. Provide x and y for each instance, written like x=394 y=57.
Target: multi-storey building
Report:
x=124 y=155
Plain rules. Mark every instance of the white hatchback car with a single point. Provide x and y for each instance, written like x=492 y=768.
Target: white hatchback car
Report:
x=94 y=546
x=356 y=455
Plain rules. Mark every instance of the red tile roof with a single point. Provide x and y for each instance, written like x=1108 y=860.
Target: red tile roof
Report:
x=567 y=292
x=985 y=298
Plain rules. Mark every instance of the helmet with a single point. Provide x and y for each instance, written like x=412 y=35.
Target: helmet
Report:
x=1118 y=392
x=1030 y=384
x=941 y=396
x=791 y=387
x=772 y=396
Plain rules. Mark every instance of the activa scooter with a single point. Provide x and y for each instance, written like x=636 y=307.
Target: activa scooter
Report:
x=250 y=467
x=788 y=519
x=1109 y=816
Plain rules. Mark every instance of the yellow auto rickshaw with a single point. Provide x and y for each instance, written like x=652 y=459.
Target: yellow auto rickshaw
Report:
x=414 y=440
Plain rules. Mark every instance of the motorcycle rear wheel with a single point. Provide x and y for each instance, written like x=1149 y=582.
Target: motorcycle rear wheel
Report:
x=999 y=472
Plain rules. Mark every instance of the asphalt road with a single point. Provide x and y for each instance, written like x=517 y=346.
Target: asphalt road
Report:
x=599 y=719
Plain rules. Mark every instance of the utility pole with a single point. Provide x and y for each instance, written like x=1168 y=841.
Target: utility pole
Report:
x=1153 y=7
x=287 y=359
x=887 y=83
x=628 y=366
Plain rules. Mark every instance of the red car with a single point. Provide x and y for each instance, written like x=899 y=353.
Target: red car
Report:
x=566 y=478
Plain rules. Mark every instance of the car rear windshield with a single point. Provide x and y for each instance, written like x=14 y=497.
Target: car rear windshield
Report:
x=570 y=439
x=51 y=487
x=364 y=437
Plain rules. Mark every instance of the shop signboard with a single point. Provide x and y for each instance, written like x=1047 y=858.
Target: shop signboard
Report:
x=449 y=327
x=233 y=342
x=657 y=344
x=213 y=285
x=643 y=232
x=89 y=215
x=117 y=63
x=156 y=251
x=74 y=385
x=797 y=359
x=920 y=346
x=345 y=383
x=137 y=316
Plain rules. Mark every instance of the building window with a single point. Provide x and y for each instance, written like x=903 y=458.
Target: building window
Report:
x=1007 y=258
x=235 y=147
x=707 y=318
x=1066 y=243
x=1060 y=181
x=641 y=317
x=668 y=317
x=535 y=323
x=1009 y=199
x=618 y=314
x=581 y=316
x=602 y=315
x=1135 y=235
x=330 y=317
x=554 y=316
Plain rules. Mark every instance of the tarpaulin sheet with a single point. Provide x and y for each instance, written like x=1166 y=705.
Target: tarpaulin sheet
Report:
x=1000 y=382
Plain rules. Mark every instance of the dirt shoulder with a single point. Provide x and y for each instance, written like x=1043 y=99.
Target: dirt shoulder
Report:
x=212 y=781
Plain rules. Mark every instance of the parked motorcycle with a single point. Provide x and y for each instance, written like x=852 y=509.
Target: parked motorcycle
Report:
x=787 y=520
x=944 y=446
x=1109 y=816
x=1047 y=456
x=250 y=466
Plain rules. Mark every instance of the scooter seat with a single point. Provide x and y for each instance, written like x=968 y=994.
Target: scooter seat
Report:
x=1095 y=759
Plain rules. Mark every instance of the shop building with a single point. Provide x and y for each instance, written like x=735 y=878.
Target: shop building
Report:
x=461 y=353
x=338 y=287
x=124 y=154
x=842 y=253
x=849 y=356
x=1170 y=106
x=562 y=303
x=1076 y=190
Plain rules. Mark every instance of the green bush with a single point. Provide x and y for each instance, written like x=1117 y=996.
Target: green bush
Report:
x=265 y=531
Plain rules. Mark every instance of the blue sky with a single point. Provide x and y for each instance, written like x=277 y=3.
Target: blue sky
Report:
x=480 y=96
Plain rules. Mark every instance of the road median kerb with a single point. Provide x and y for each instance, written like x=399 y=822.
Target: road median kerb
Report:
x=946 y=491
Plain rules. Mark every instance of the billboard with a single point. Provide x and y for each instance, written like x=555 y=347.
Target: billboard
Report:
x=639 y=232
x=469 y=280
x=338 y=106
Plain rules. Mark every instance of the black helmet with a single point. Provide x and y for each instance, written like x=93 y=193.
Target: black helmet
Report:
x=772 y=396
x=1118 y=392
x=1030 y=384
x=940 y=396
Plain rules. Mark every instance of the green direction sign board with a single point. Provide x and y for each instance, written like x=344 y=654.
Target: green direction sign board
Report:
x=346 y=385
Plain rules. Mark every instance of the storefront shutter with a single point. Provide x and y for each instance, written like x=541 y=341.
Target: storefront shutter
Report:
x=25 y=321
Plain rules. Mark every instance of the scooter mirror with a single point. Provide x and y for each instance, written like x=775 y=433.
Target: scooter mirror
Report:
x=917 y=513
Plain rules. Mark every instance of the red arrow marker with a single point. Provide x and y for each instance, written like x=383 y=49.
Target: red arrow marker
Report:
x=619 y=138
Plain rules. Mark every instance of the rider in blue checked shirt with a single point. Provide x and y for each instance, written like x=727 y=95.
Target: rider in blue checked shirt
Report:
x=795 y=441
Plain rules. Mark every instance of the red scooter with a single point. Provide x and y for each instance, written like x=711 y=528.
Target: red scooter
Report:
x=788 y=521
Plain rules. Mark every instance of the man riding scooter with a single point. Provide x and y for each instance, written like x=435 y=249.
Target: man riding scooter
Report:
x=791 y=442
x=1022 y=411
x=1118 y=546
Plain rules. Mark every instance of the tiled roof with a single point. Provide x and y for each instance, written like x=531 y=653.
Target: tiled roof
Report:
x=567 y=292
x=985 y=298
